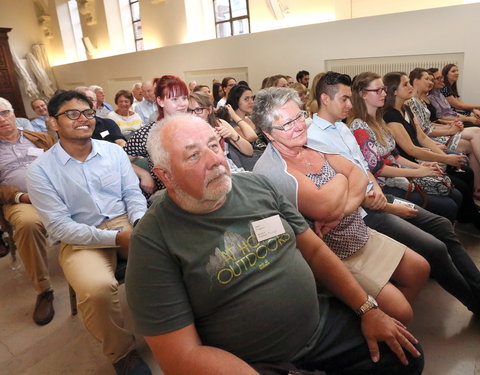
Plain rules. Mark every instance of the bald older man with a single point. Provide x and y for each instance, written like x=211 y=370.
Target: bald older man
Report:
x=223 y=272
x=18 y=149
x=148 y=105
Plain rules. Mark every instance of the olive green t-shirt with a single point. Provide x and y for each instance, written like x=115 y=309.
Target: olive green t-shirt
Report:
x=257 y=300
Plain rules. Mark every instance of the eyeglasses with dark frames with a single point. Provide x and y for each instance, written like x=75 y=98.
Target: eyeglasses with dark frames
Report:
x=290 y=124
x=74 y=114
x=197 y=111
x=377 y=91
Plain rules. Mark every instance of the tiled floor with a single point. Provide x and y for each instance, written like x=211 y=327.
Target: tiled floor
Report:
x=448 y=332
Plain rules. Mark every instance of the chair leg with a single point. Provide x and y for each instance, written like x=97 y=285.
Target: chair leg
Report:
x=11 y=245
x=73 y=300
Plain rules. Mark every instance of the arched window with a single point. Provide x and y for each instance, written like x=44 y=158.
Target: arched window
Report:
x=231 y=17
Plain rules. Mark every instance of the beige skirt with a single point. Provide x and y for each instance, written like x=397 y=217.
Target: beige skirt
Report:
x=373 y=265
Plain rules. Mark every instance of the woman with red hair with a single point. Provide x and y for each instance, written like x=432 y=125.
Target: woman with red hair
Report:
x=172 y=97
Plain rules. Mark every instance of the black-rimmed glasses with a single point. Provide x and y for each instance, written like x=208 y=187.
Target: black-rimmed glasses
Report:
x=377 y=91
x=290 y=124
x=197 y=111
x=74 y=114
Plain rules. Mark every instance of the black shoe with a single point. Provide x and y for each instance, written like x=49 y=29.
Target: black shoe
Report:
x=3 y=250
x=132 y=364
x=44 y=311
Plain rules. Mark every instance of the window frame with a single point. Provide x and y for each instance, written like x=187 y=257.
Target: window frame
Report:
x=135 y=22
x=231 y=19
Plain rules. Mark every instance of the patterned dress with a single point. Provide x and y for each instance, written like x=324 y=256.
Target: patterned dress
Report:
x=375 y=154
x=422 y=114
x=351 y=234
x=137 y=146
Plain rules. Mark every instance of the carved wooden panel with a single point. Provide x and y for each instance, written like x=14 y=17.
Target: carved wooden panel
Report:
x=9 y=88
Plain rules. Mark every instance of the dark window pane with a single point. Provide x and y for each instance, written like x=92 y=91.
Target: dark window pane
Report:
x=137 y=30
x=222 y=10
x=223 y=29
x=240 y=26
x=239 y=8
x=135 y=11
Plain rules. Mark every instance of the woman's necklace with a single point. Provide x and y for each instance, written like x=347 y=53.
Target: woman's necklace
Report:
x=304 y=161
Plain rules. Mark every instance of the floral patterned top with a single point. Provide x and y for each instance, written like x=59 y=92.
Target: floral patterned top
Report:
x=352 y=233
x=375 y=154
x=422 y=115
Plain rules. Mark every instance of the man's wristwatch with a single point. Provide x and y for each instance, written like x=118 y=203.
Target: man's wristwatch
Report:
x=369 y=304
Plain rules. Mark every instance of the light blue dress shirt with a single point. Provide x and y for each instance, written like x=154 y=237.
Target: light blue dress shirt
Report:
x=23 y=123
x=74 y=197
x=39 y=124
x=145 y=109
x=324 y=136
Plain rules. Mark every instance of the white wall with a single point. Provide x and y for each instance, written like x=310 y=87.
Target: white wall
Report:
x=289 y=50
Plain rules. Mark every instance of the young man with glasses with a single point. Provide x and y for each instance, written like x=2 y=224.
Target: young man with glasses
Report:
x=89 y=199
x=18 y=149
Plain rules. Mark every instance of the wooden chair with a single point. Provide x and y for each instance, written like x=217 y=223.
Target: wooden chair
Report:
x=6 y=227
x=119 y=275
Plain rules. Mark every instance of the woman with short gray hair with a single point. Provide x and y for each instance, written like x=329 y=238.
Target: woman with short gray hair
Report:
x=328 y=190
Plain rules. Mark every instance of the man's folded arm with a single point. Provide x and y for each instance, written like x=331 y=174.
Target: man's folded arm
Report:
x=181 y=352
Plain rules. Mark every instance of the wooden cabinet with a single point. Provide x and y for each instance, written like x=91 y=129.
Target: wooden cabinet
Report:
x=9 y=88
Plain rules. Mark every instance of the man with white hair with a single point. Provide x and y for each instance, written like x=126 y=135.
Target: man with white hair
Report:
x=137 y=94
x=215 y=279
x=148 y=105
x=103 y=108
x=18 y=149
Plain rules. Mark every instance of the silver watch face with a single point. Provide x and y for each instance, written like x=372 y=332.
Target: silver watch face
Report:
x=369 y=304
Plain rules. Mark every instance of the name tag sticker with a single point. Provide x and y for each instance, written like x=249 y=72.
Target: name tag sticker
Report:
x=33 y=151
x=109 y=179
x=267 y=228
x=363 y=213
x=405 y=203
x=104 y=133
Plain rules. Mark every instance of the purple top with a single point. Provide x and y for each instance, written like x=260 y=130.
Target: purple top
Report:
x=443 y=107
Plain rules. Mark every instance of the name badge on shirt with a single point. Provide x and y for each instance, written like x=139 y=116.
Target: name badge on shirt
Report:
x=267 y=228
x=109 y=179
x=363 y=213
x=33 y=151
x=104 y=133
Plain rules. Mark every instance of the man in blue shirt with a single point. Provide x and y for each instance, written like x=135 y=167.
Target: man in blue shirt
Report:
x=148 y=105
x=89 y=199
x=40 y=108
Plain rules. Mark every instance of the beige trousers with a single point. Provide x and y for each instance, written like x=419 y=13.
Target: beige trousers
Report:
x=90 y=270
x=30 y=238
